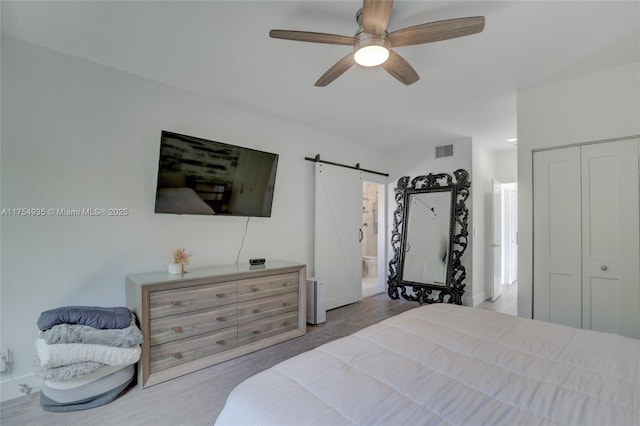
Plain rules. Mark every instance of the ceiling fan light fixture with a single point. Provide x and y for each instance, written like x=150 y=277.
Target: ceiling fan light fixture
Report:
x=370 y=56
x=371 y=50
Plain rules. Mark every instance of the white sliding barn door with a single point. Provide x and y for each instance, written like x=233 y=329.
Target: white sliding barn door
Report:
x=610 y=238
x=337 y=249
x=556 y=237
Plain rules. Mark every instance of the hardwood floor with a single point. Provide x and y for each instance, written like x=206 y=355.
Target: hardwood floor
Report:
x=507 y=302
x=198 y=398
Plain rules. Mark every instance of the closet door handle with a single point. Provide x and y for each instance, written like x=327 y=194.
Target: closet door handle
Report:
x=604 y=267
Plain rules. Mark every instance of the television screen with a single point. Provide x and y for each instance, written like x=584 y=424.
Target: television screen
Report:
x=204 y=177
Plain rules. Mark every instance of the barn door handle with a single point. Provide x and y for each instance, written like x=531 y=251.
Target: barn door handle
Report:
x=361 y=235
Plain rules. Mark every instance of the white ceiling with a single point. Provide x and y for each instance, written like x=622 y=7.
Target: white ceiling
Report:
x=222 y=49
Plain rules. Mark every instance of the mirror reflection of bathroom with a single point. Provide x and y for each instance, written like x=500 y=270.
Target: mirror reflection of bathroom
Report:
x=372 y=239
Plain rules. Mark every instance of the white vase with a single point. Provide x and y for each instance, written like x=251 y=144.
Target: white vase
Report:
x=175 y=268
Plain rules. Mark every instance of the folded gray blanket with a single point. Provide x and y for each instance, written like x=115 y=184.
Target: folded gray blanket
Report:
x=76 y=333
x=101 y=318
x=65 y=372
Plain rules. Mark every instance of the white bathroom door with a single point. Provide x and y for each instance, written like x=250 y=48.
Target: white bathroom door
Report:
x=495 y=246
x=337 y=246
x=610 y=235
x=512 y=236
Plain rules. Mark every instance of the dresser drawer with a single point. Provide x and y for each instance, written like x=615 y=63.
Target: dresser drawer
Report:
x=175 y=327
x=256 y=309
x=186 y=350
x=180 y=300
x=267 y=286
x=258 y=330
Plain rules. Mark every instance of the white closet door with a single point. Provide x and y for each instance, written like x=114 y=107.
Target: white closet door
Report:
x=337 y=249
x=610 y=237
x=557 y=254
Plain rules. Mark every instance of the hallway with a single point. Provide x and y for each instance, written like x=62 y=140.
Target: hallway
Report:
x=507 y=303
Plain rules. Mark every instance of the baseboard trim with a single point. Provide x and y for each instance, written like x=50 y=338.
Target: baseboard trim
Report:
x=478 y=299
x=9 y=389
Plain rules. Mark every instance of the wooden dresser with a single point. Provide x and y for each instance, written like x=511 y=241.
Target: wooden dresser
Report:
x=210 y=315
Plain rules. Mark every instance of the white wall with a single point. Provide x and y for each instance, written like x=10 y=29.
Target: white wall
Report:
x=420 y=160
x=483 y=173
x=80 y=135
x=593 y=107
x=506 y=165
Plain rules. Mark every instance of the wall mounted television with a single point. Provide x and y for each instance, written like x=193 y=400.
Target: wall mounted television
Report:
x=203 y=177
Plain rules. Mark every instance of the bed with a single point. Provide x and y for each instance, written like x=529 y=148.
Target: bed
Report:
x=449 y=364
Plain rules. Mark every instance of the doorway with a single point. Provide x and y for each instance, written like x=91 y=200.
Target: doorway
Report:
x=505 y=247
x=372 y=238
x=339 y=233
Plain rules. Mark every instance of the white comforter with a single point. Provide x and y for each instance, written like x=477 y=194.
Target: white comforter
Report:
x=447 y=364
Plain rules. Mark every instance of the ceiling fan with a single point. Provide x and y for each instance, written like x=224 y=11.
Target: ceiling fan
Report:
x=372 y=42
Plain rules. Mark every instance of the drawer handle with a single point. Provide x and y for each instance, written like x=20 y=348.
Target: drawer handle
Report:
x=221 y=342
x=220 y=295
x=177 y=329
x=176 y=355
x=255 y=332
x=220 y=319
x=255 y=311
x=176 y=302
x=286 y=284
x=254 y=289
x=286 y=323
x=285 y=303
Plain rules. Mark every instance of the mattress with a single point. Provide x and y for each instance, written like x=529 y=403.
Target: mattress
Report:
x=449 y=364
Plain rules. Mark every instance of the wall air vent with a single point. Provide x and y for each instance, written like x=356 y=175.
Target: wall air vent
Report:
x=444 y=151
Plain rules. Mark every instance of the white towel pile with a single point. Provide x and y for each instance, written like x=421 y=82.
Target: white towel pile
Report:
x=85 y=355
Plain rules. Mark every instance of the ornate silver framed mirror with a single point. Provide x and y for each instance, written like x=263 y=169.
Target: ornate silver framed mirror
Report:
x=429 y=236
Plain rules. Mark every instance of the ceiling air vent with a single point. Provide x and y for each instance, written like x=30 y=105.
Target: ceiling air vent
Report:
x=444 y=151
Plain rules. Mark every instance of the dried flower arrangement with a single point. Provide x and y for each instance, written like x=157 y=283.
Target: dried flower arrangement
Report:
x=182 y=257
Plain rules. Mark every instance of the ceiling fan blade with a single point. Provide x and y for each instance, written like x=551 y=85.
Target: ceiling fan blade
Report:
x=400 y=69
x=375 y=16
x=312 y=37
x=436 y=31
x=336 y=71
